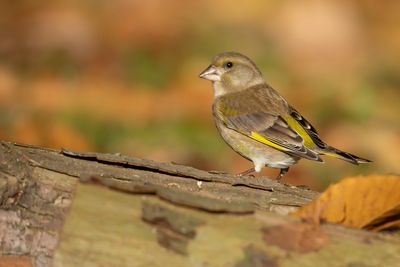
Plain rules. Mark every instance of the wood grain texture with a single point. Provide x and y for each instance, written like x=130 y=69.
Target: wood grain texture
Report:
x=128 y=211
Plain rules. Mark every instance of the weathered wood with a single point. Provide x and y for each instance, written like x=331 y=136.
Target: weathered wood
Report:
x=171 y=181
x=188 y=216
x=33 y=204
x=37 y=185
x=111 y=228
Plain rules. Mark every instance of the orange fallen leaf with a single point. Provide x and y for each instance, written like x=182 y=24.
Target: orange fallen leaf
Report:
x=368 y=202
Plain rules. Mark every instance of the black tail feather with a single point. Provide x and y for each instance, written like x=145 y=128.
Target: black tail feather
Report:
x=336 y=153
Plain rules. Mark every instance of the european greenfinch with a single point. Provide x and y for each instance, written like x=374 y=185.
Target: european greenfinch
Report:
x=257 y=122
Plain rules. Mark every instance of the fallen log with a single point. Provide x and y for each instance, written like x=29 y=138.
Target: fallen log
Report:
x=66 y=208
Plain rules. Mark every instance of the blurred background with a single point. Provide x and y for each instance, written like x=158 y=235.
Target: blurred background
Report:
x=122 y=76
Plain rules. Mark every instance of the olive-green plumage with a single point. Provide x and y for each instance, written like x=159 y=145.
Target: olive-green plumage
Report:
x=257 y=122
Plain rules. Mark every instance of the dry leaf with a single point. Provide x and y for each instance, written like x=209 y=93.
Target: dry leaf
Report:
x=370 y=202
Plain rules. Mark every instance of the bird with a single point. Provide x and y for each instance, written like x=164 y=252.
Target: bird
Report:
x=258 y=123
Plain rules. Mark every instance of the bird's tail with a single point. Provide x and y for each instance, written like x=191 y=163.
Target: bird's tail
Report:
x=336 y=153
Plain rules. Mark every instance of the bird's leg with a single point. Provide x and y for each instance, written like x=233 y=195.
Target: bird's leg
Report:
x=282 y=173
x=247 y=172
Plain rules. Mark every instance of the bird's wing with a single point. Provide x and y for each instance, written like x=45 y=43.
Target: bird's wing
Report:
x=281 y=132
x=312 y=139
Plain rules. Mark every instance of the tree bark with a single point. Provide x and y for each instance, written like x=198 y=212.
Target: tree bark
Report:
x=160 y=214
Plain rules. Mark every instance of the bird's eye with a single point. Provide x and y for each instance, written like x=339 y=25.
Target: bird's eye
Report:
x=228 y=65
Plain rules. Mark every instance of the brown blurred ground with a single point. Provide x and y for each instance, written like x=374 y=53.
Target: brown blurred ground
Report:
x=121 y=76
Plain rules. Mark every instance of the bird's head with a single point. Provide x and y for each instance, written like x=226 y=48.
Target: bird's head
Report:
x=231 y=72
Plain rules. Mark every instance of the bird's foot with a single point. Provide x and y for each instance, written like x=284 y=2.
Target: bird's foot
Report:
x=247 y=172
x=281 y=174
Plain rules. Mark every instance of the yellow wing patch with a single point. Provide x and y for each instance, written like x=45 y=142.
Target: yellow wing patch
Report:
x=332 y=154
x=260 y=138
x=308 y=142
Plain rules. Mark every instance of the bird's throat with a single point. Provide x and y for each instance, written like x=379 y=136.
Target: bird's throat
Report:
x=219 y=89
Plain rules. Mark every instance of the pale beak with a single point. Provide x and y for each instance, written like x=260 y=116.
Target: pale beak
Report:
x=210 y=73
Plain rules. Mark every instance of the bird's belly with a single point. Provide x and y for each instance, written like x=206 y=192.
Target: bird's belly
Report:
x=255 y=151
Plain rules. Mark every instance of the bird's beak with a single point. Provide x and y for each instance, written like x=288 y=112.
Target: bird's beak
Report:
x=210 y=73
